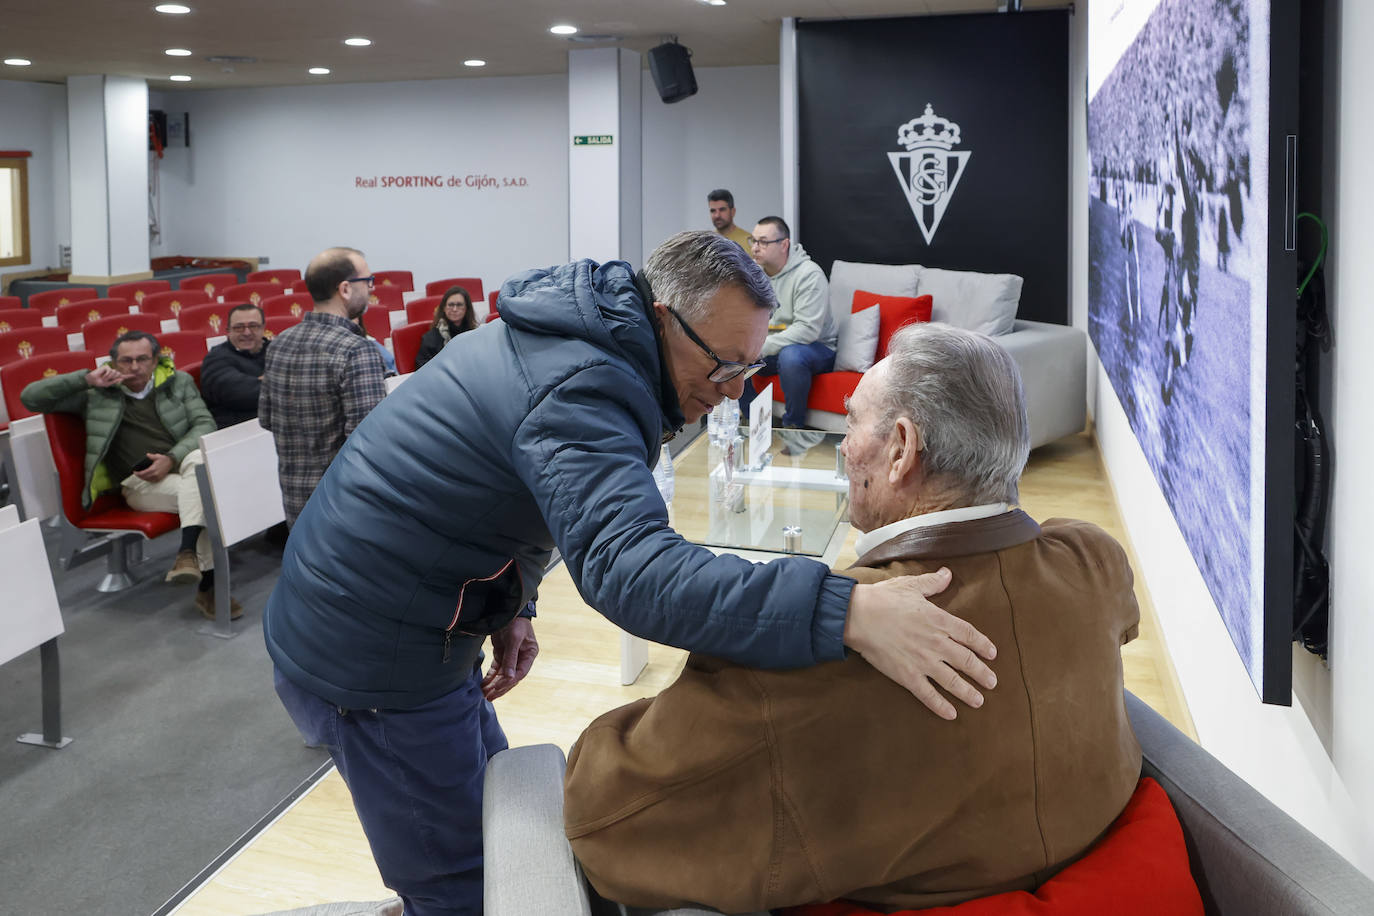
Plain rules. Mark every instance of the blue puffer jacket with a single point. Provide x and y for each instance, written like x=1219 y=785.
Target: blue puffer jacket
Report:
x=434 y=523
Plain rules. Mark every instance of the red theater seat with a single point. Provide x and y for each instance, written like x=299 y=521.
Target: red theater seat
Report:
x=208 y=320
x=212 y=285
x=402 y=280
x=293 y=304
x=386 y=297
x=252 y=293
x=135 y=292
x=72 y=316
x=422 y=309
x=170 y=303
x=16 y=376
x=182 y=347
x=283 y=278
x=300 y=287
x=472 y=284
x=27 y=342
x=492 y=312
x=47 y=302
x=193 y=370
x=100 y=334
x=405 y=343
x=11 y=302
x=377 y=322
x=278 y=323
x=15 y=318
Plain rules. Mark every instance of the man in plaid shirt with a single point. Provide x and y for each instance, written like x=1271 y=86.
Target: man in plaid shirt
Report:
x=322 y=376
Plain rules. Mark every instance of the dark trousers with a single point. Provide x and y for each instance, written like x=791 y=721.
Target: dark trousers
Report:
x=416 y=779
x=794 y=365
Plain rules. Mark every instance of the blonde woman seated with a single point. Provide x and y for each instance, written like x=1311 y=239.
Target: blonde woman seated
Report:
x=452 y=317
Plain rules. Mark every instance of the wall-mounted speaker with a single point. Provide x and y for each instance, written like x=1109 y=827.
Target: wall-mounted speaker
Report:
x=671 y=67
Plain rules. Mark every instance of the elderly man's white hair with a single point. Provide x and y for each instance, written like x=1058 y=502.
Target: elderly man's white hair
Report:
x=963 y=391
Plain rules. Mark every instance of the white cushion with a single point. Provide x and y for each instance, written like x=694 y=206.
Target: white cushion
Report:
x=883 y=279
x=858 y=341
x=974 y=301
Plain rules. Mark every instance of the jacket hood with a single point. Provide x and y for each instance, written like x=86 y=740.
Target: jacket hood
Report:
x=796 y=257
x=601 y=304
x=164 y=371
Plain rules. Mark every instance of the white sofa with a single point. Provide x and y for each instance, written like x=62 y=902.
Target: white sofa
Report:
x=1052 y=358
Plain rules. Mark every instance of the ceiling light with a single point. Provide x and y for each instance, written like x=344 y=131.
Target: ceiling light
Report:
x=358 y=42
x=18 y=61
x=318 y=71
x=177 y=52
x=564 y=30
x=179 y=78
x=172 y=9
x=712 y=2
x=474 y=62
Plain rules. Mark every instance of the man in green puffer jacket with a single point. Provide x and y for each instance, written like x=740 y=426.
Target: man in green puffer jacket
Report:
x=144 y=420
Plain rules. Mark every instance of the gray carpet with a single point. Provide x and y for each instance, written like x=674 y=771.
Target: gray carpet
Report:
x=179 y=743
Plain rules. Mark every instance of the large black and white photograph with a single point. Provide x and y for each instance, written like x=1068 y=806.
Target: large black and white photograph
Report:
x=1178 y=210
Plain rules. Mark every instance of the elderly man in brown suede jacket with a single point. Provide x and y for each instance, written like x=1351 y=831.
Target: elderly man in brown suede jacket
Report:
x=745 y=790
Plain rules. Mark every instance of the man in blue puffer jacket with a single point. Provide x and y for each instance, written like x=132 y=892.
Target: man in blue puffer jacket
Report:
x=432 y=528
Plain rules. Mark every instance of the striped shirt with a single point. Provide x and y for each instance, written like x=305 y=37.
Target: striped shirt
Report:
x=321 y=378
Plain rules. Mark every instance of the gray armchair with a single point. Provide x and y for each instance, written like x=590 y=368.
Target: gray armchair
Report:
x=1247 y=856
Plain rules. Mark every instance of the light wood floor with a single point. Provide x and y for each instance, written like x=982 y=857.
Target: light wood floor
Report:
x=316 y=852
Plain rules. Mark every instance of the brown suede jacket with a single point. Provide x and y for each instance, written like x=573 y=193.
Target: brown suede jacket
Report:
x=743 y=789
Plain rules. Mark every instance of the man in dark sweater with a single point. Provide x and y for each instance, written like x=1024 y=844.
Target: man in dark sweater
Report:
x=231 y=375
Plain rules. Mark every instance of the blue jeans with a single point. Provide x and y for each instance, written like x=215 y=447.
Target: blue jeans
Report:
x=416 y=779
x=794 y=365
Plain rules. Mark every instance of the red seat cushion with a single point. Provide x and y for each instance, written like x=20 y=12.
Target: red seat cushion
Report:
x=894 y=313
x=828 y=390
x=122 y=518
x=1139 y=868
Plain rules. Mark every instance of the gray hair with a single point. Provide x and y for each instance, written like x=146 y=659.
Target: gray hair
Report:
x=688 y=269
x=963 y=390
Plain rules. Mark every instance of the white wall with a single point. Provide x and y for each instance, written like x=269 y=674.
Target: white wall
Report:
x=725 y=136
x=275 y=172
x=33 y=117
x=1318 y=768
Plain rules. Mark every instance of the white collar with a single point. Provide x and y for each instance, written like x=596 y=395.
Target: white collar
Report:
x=138 y=396
x=868 y=540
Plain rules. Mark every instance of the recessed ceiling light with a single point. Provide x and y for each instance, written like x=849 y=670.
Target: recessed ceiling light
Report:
x=358 y=42
x=179 y=78
x=172 y=9
x=564 y=30
x=712 y=2
x=177 y=52
x=474 y=62
x=318 y=71
x=18 y=61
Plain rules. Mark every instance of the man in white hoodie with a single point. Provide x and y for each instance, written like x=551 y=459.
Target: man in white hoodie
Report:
x=804 y=344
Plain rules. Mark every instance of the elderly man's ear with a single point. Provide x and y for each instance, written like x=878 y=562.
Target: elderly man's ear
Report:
x=905 y=447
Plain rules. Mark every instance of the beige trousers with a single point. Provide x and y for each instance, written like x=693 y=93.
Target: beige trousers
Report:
x=177 y=492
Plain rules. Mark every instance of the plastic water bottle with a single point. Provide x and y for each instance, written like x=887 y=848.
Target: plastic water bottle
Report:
x=663 y=475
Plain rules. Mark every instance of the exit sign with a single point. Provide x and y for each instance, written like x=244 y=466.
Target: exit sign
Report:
x=593 y=139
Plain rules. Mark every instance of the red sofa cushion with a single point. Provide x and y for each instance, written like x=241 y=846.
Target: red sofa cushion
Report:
x=1139 y=868
x=828 y=390
x=894 y=313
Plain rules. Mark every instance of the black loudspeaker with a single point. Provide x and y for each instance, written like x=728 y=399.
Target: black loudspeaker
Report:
x=671 y=66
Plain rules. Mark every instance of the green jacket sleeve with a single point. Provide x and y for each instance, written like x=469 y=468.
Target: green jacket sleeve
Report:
x=65 y=393
x=197 y=414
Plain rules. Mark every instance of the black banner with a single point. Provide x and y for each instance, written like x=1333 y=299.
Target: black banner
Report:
x=941 y=141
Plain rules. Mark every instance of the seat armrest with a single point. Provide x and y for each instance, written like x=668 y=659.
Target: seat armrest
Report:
x=528 y=862
x=1053 y=360
x=1246 y=855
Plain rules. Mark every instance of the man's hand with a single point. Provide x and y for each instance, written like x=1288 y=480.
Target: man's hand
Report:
x=160 y=468
x=899 y=632
x=106 y=376
x=513 y=650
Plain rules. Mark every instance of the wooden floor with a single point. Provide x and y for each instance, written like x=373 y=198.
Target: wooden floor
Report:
x=316 y=853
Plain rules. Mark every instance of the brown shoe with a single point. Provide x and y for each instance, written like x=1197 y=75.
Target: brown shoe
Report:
x=185 y=570
x=205 y=601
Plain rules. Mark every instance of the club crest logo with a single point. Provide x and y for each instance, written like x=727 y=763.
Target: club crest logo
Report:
x=176 y=307
x=214 y=322
x=25 y=349
x=5 y=326
x=138 y=296
x=929 y=168
x=295 y=309
x=49 y=372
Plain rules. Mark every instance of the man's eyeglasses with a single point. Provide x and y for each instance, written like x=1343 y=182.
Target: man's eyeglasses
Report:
x=725 y=370
x=762 y=243
x=133 y=360
x=240 y=328
x=370 y=281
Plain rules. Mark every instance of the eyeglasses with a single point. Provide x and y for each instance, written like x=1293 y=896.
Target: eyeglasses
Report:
x=239 y=328
x=726 y=370
x=370 y=281
x=764 y=242
x=133 y=360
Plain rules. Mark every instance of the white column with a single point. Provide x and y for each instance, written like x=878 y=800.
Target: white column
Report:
x=787 y=94
x=604 y=178
x=107 y=129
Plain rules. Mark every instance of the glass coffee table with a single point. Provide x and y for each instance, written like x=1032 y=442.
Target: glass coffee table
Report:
x=796 y=504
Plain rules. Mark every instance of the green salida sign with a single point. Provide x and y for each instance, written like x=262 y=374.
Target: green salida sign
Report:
x=593 y=139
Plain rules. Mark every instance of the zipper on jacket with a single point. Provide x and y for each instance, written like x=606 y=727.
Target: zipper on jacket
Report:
x=458 y=610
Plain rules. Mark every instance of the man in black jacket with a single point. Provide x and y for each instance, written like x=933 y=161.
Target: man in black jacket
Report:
x=231 y=375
